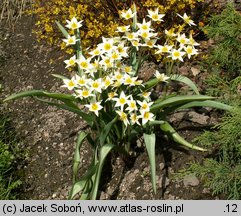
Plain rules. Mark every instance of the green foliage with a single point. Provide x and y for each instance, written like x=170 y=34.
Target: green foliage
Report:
x=8 y=181
x=228 y=91
x=225 y=29
x=223 y=172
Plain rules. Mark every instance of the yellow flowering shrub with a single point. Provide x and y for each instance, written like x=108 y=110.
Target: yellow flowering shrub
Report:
x=101 y=17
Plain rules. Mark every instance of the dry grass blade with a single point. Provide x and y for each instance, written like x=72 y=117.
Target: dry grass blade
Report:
x=12 y=10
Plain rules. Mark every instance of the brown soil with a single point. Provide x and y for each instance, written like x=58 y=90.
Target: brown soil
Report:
x=49 y=134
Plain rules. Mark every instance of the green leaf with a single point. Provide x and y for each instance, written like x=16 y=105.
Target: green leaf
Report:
x=185 y=80
x=60 y=96
x=150 y=141
x=59 y=76
x=62 y=29
x=167 y=128
x=77 y=187
x=151 y=83
x=178 y=100
x=88 y=118
x=106 y=130
x=87 y=190
x=79 y=142
x=40 y=93
x=30 y=93
x=208 y=103
x=105 y=150
x=82 y=183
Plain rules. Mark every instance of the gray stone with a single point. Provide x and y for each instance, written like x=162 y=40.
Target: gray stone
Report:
x=190 y=180
x=198 y=118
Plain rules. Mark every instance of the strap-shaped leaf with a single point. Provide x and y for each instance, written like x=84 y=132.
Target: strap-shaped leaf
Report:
x=30 y=93
x=59 y=76
x=150 y=84
x=87 y=190
x=62 y=29
x=207 y=103
x=106 y=130
x=167 y=128
x=178 y=100
x=60 y=96
x=40 y=93
x=105 y=150
x=185 y=80
x=150 y=141
x=88 y=118
x=79 y=142
x=82 y=183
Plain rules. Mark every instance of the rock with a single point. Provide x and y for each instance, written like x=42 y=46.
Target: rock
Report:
x=163 y=183
x=190 y=180
x=178 y=116
x=198 y=118
x=206 y=191
x=103 y=196
x=162 y=166
x=147 y=70
x=195 y=71
x=171 y=197
x=184 y=70
x=139 y=143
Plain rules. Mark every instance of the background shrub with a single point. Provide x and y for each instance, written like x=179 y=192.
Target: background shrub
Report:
x=102 y=16
x=225 y=29
x=9 y=155
x=222 y=171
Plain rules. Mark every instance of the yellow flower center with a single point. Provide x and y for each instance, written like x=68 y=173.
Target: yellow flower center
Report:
x=115 y=56
x=122 y=100
x=183 y=41
x=154 y=16
x=81 y=82
x=123 y=28
x=74 y=26
x=85 y=93
x=133 y=105
x=146 y=115
x=123 y=116
x=134 y=117
x=144 y=34
x=71 y=83
x=96 y=52
x=111 y=94
x=187 y=20
x=128 y=16
x=144 y=27
x=118 y=76
x=95 y=85
x=84 y=64
x=120 y=49
x=130 y=36
x=107 y=82
x=70 y=40
x=71 y=61
x=144 y=106
x=127 y=69
x=129 y=80
x=164 y=49
x=176 y=54
x=189 y=50
x=107 y=46
x=135 y=43
x=94 y=106
x=107 y=61
x=145 y=94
